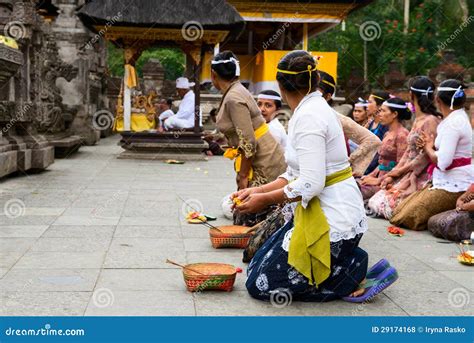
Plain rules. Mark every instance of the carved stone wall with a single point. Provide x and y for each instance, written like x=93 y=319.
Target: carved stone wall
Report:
x=85 y=93
x=22 y=147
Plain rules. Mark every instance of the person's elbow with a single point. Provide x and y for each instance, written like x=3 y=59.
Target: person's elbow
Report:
x=443 y=163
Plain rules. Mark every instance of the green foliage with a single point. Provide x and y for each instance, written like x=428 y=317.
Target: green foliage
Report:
x=431 y=24
x=173 y=61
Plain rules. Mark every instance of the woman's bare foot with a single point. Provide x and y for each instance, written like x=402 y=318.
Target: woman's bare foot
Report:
x=360 y=291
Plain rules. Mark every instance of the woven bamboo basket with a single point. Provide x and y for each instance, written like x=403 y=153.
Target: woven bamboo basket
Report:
x=232 y=236
x=209 y=276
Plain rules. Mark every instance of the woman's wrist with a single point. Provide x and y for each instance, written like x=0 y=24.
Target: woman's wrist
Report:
x=267 y=200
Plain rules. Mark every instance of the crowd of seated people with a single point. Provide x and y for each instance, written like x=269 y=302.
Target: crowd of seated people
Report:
x=411 y=160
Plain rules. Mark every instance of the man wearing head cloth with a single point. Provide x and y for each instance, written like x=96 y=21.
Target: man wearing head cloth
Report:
x=184 y=118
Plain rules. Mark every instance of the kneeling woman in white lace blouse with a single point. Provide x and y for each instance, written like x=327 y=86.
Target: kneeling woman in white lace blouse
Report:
x=315 y=256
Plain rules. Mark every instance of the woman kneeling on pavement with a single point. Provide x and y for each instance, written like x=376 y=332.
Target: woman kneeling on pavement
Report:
x=315 y=256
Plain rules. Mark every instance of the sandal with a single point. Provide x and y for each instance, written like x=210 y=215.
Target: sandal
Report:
x=377 y=269
x=375 y=286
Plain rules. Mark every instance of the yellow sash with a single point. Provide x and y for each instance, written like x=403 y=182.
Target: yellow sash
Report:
x=131 y=80
x=234 y=153
x=309 y=252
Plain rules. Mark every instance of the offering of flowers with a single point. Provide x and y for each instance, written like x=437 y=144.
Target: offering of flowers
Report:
x=194 y=217
x=236 y=201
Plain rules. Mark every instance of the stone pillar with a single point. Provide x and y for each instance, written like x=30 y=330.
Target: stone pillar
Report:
x=153 y=76
x=394 y=79
x=80 y=48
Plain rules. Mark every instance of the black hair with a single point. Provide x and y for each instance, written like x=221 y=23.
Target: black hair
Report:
x=425 y=99
x=403 y=113
x=213 y=112
x=446 y=96
x=169 y=102
x=325 y=83
x=272 y=92
x=225 y=71
x=380 y=97
x=298 y=61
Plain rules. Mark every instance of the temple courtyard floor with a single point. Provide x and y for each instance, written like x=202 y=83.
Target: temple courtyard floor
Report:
x=90 y=236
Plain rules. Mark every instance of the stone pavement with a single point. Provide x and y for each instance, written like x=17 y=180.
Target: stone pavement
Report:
x=90 y=236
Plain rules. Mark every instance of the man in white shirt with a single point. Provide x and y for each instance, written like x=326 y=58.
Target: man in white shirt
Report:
x=269 y=102
x=184 y=118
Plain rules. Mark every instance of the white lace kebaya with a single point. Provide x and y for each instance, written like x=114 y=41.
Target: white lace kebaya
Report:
x=278 y=132
x=453 y=141
x=315 y=149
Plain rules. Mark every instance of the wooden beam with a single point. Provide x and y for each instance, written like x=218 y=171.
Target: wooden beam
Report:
x=197 y=92
x=305 y=36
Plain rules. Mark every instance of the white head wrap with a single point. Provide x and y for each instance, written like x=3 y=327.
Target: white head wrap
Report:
x=230 y=60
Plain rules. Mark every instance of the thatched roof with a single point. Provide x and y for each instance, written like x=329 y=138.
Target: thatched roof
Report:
x=211 y=14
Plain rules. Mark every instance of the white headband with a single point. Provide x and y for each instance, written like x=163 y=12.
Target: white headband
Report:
x=423 y=91
x=451 y=89
x=361 y=103
x=269 y=97
x=389 y=104
x=230 y=60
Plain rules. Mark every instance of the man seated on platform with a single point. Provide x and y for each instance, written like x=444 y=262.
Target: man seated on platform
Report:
x=184 y=118
x=165 y=111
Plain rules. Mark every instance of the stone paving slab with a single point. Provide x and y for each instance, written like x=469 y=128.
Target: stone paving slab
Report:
x=43 y=303
x=50 y=280
x=93 y=234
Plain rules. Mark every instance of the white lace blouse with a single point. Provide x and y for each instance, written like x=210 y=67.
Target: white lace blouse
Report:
x=278 y=132
x=315 y=149
x=453 y=140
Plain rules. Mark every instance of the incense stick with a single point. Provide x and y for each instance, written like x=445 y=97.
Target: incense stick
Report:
x=184 y=267
x=206 y=223
x=255 y=227
x=202 y=221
